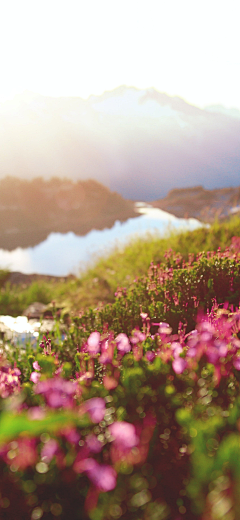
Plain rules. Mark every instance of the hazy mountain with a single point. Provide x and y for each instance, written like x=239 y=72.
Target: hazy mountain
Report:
x=140 y=143
x=231 y=112
x=31 y=210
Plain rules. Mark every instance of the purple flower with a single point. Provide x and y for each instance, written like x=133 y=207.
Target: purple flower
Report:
x=124 y=434
x=93 y=343
x=123 y=343
x=96 y=408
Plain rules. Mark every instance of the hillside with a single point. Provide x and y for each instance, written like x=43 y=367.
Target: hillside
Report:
x=30 y=210
x=99 y=283
x=121 y=139
x=200 y=203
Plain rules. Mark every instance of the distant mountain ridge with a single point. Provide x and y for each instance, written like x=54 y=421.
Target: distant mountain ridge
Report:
x=140 y=143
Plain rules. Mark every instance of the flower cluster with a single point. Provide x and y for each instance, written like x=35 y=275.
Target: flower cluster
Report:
x=9 y=379
x=121 y=419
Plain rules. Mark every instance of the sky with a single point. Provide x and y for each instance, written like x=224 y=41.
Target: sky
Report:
x=188 y=48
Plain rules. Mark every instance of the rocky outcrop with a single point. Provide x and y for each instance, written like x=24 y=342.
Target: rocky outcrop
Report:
x=200 y=203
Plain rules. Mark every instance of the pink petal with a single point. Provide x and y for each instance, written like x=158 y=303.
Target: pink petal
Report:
x=124 y=434
x=179 y=365
x=123 y=343
x=34 y=377
x=93 y=343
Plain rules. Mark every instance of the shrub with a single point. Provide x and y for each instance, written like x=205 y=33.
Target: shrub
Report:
x=145 y=426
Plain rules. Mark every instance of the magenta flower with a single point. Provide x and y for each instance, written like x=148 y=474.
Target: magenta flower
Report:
x=179 y=364
x=124 y=434
x=107 y=351
x=236 y=362
x=36 y=366
x=123 y=344
x=104 y=477
x=25 y=454
x=34 y=377
x=150 y=355
x=9 y=380
x=93 y=443
x=96 y=408
x=164 y=330
x=137 y=337
x=215 y=350
x=49 y=449
x=36 y=413
x=105 y=358
x=71 y=435
x=93 y=343
x=176 y=348
x=57 y=392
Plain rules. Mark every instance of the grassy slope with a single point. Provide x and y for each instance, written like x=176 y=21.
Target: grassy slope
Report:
x=99 y=283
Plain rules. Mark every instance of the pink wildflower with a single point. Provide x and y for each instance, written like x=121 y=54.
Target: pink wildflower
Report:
x=34 y=377
x=57 y=392
x=179 y=365
x=93 y=343
x=150 y=355
x=49 y=450
x=9 y=380
x=36 y=413
x=124 y=434
x=94 y=445
x=36 y=366
x=104 y=477
x=123 y=344
x=96 y=408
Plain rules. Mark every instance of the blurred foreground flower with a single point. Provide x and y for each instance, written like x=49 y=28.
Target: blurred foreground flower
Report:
x=9 y=380
x=124 y=434
x=57 y=391
x=96 y=408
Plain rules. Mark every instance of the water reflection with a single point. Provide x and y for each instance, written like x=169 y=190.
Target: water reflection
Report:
x=62 y=254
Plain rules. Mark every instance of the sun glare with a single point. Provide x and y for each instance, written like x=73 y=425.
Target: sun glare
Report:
x=77 y=48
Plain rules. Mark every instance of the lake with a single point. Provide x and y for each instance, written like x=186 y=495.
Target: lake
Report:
x=62 y=254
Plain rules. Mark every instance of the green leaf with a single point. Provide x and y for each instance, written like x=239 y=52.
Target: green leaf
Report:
x=12 y=425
